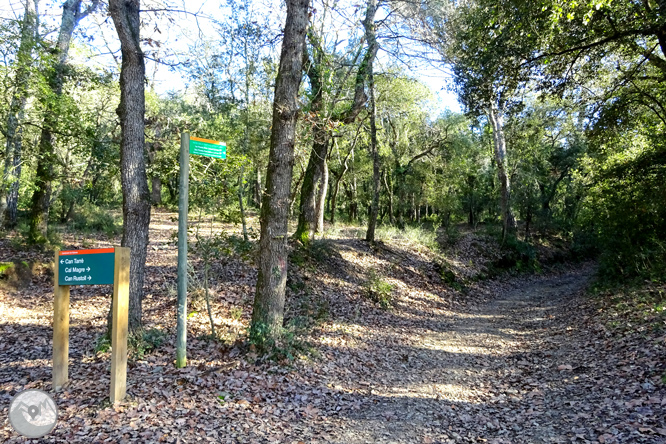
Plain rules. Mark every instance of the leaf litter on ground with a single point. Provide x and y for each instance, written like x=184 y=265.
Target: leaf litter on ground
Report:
x=517 y=359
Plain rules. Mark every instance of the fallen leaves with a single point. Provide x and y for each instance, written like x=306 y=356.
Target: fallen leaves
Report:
x=514 y=360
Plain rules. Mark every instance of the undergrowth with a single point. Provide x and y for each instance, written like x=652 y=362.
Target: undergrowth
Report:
x=139 y=343
x=89 y=218
x=638 y=306
x=378 y=290
x=413 y=235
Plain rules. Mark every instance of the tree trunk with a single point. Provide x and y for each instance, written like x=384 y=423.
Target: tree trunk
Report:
x=268 y=308
x=389 y=190
x=294 y=193
x=499 y=142
x=321 y=196
x=307 y=218
x=14 y=136
x=134 y=181
x=369 y=26
x=44 y=175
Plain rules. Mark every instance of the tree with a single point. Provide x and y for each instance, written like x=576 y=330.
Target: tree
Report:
x=485 y=45
x=41 y=198
x=268 y=309
x=326 y=115
x=131 y=111
x=9 y=186
x=369 y=26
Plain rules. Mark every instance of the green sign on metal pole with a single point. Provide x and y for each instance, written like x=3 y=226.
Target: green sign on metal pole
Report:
x=208 y=148
x=86 y=267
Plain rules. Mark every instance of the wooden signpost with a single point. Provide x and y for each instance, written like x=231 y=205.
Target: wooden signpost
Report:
x=92 y=267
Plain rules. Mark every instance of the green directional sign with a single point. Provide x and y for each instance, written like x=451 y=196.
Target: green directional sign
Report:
x=86 y=267
x=208 y=148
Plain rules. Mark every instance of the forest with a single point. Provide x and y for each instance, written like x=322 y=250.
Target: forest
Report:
x=458 y=150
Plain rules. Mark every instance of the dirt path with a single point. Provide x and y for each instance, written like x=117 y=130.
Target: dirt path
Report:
x=521 y=369
x=516 y=360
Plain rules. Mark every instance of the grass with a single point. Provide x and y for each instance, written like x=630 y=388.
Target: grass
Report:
x=413 y=235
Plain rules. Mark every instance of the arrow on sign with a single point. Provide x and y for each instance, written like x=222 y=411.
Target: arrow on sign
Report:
x=62 y=261
x=89 y=278
x=88 y=269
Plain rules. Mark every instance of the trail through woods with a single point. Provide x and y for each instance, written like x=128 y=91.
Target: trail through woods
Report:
x=518 y=359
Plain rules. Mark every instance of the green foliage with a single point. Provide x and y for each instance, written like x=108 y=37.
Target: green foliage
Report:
x=102 y=343
x=289 y=344
x=139 y=343
x=518 y=255
x=89 y=218
x=144 y=341
x=378 y=290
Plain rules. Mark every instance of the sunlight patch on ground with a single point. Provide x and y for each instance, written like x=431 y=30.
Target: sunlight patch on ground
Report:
x=163 y=227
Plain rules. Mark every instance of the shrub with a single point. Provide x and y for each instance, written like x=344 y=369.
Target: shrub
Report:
x=378 y=290
x=89 y=218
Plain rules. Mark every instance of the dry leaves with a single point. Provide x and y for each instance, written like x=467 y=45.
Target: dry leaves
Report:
x=515 y=360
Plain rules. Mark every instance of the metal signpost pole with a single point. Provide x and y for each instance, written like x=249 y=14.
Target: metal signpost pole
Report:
x=183 y=191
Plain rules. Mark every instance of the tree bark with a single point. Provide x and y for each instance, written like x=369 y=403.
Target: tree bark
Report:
x=134 y=181
x=499 y=142
x=369 y=26
x=268 y=309
x=44 y=175
x=307 y=218
x=14 y=135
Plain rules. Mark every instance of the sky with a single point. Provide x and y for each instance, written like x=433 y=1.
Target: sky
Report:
x=183 y=29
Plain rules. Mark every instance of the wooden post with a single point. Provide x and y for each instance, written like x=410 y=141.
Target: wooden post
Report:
x=60 y=330
x=119 y=324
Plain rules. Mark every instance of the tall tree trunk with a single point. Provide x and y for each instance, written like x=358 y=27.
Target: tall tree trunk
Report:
x=307 y=218
x=134 y=181
x=369 y=26
x=268 y=309
x=14 y=135
x=499 y=142
x=44 y=175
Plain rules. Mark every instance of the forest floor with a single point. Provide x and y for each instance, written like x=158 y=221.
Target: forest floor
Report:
x=519 y=358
